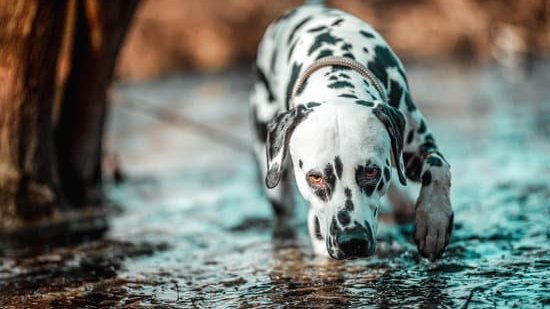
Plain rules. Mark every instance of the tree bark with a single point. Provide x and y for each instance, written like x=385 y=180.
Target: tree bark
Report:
x=100 y=29
x=30 y=39
x=46 y=168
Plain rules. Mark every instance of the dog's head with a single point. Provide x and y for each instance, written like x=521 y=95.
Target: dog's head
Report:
x=342 y=155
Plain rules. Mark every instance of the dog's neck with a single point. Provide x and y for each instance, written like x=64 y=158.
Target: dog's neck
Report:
x=335 y=78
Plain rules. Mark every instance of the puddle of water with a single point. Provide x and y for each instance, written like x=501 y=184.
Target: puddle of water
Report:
x=195 y=230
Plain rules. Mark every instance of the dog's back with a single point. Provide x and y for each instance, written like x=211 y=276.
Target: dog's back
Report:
x=311 y=32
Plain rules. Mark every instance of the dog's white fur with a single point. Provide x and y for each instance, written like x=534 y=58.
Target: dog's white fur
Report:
x=342 y=127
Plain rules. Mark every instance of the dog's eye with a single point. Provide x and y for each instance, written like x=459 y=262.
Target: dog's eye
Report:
x=368 y=175
x=315 y=179
x=371 y=173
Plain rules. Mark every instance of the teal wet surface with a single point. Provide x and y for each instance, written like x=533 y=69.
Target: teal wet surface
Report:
x=192 y=195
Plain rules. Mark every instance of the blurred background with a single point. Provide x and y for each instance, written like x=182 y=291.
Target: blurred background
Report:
x=172 y=36
x=162 y=204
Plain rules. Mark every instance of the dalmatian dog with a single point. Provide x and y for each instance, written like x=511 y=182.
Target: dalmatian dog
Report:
x=331 y=93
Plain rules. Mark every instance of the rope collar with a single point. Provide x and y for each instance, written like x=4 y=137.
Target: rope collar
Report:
x=336 y=61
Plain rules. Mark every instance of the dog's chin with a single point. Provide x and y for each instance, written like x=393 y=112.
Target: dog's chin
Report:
x=335 y=254
x=339 y=255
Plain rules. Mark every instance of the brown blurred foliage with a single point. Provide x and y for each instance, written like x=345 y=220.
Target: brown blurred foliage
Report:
x=174 y=35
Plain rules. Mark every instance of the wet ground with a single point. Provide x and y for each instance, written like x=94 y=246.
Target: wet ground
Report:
x=190 y=226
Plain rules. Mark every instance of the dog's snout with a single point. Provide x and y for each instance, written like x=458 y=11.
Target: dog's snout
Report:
x=355 y=242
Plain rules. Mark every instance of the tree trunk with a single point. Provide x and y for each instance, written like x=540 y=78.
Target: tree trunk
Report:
x=30 y=39
x=42 y=171
x=100 y=30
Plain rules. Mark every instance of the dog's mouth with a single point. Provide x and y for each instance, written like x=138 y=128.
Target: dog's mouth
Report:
x=351 y=243
x=360 y=251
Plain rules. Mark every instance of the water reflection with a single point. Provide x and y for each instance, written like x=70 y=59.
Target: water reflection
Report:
x=224 y=248
x=301 y=280
x=72 y=256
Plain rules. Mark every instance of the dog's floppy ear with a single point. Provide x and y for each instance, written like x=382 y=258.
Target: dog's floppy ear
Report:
x=279 y=130
x=394 y=122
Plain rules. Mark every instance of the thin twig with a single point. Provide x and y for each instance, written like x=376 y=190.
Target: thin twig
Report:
x=467 y=303
x=171 y=117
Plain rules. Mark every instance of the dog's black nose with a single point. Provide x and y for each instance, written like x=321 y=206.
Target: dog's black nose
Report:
x=355 y=242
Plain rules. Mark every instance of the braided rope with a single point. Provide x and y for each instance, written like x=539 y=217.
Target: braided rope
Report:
x=339 y=61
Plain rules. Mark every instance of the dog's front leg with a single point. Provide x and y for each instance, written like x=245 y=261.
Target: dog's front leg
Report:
x=434 y=214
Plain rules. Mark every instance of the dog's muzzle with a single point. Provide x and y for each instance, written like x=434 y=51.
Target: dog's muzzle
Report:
x=354 y=243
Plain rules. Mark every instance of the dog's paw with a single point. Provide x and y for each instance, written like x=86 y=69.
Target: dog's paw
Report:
x=434 y=223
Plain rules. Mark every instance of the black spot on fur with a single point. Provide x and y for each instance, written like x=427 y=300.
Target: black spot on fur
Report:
x=366 y=34
x=343 y=217
x=395 y=93
x=291 y=50
x=426 y=178
x=386 y=173
x=349 y=55
x=296 y=28
x=317 y=29
x=341 y=84
x=312 y=104
x=367 y=83
x=296 y=69
x=429 y=139
x=434 y=161
x=402 y=73
x=324 y=53
x=383 y=59
x=365 y=50
x=381 y=185
x=333 y=77
x=323 y=38
x=322 y=194
x=347 y=192
x=330 y=179
x=349 y=205
x=302 y=87
x=344 y=75
x=409 y=102
x=364 y=103
x=413 y=165
x=427 y=148
x=300 y=163
x=422 y=127
x=318 y=229
x=337 y=22
x=339 y=68
x=410 y=136
x=338 y=166
x=379 y=71
x=347 y=95
x=333 y=230
x=346 y=47
x=260 y=76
